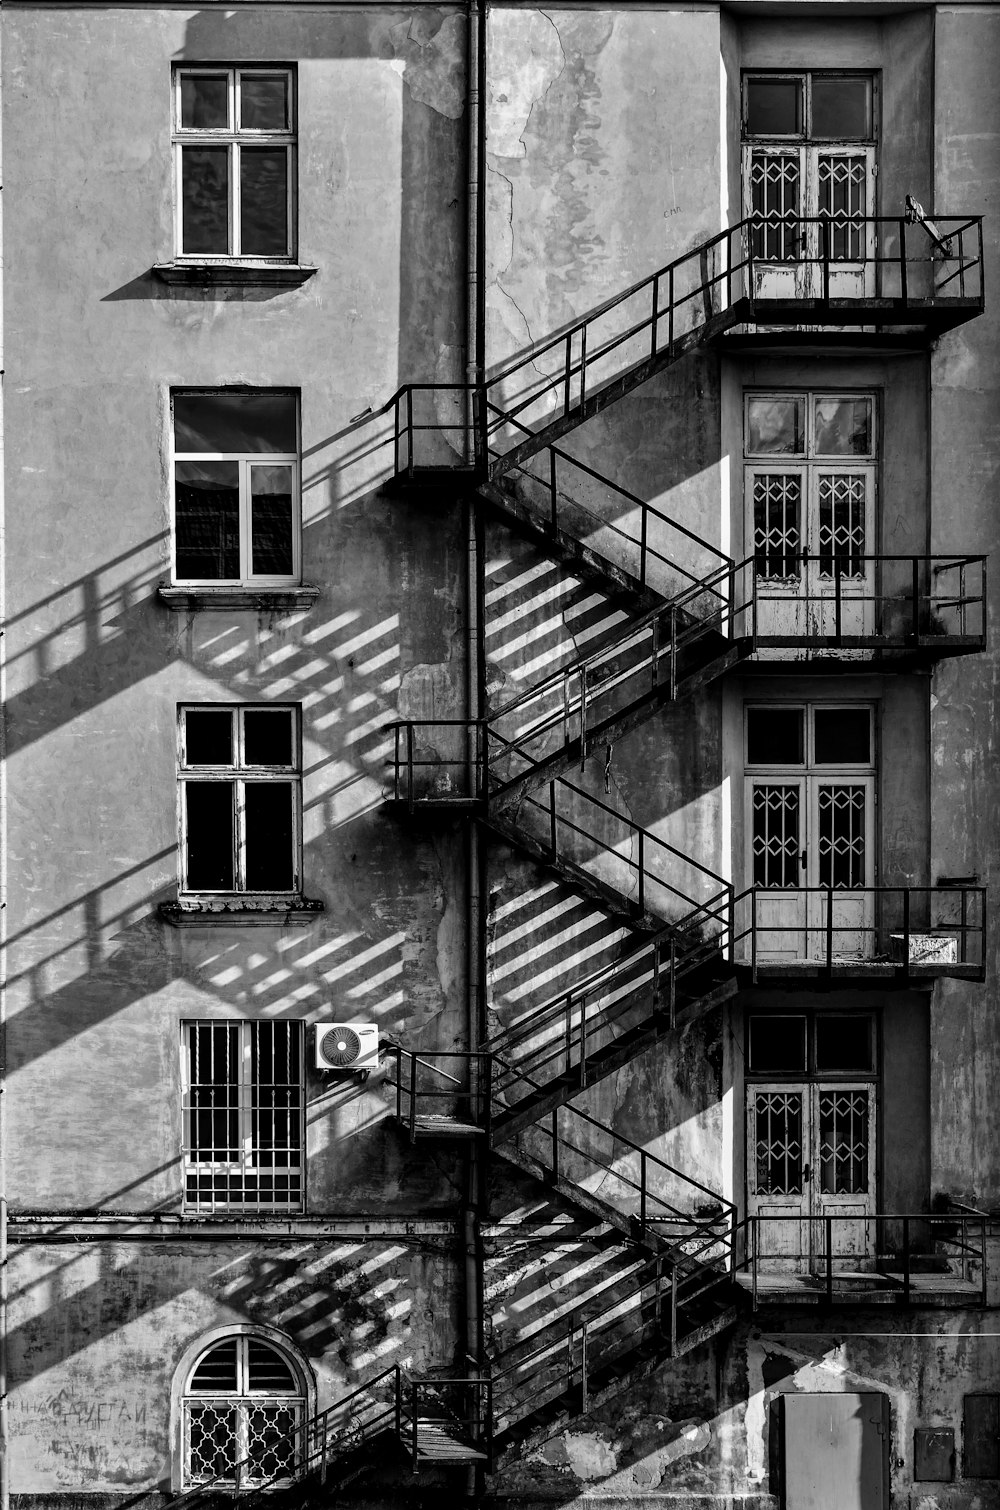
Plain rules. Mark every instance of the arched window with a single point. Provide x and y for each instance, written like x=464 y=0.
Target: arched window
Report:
x=242 y=1404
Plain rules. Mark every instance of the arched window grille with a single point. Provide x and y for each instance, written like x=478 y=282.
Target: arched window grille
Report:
x=243 y=1410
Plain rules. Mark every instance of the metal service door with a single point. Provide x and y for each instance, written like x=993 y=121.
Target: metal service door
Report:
x=836 y=1451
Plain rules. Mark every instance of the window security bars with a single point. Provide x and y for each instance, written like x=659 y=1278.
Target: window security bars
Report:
x=239 y=799
x=241 y=1411
x=234 y=145
x=243 y=1116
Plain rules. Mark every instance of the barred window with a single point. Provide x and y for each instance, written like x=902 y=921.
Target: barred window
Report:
x=242 y=1089
x=243 y=1411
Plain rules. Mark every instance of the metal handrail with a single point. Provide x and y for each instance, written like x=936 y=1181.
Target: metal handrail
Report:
x=897 y=1260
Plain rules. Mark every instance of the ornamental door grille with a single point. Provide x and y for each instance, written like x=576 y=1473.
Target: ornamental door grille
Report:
x=810 y=1157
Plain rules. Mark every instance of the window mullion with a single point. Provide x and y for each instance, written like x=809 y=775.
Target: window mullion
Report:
x=246 y=554
x=234 y=199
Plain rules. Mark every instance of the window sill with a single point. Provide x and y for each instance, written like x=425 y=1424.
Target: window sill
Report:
x=242 y=912
x=263 y=599
x=236 y=273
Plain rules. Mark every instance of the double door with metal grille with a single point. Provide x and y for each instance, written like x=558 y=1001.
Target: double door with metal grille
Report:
x=810 y=805
x=811 y=1173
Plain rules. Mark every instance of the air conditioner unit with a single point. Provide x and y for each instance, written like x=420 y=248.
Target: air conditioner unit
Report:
x=346 y=1046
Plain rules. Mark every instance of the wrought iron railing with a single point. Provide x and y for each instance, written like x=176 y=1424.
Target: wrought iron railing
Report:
x=914 y=1254
x=659 y=317
x=916 y=931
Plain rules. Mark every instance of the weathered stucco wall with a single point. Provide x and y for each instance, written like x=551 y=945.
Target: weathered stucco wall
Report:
x=965 y=432
x=96 y=666
x=98 y=1333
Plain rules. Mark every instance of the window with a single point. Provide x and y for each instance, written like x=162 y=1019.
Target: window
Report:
x=234 y=146
x=236 y=488
x=239 y=775
x=822 y=1043
x=242 y=1104
x=243 y=1411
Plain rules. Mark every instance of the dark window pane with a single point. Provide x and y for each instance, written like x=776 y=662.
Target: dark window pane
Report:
x=235 y=422
x=840 y=837
x=209 y=835
x=774 y=736
x=267 y=737
x=842 y=108
x=208 y=736
x=271 y=521
x=263 y=201
x=777 y=1045
x=843 y=427
x=205 y=200
x=774 y=107
x=843 y=1043
x=205 y=101
x=264 y=102
x=217 y=1370
x=207 y=515
x=269 y=836
x=843 y=736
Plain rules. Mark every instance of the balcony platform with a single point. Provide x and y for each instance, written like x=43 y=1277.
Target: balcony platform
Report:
x=921 y=319
x=429 y=1125
x=884 y=1288
x=850 y=972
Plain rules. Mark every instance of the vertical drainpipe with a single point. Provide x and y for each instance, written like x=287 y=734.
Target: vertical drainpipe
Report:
x=4 y=1454
x=475 y=368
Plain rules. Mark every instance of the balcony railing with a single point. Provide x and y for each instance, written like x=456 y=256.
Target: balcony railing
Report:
x=903 y=932
x=917 y=1257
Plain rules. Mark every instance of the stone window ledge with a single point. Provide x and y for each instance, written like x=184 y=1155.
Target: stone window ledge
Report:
x=223 y=274
x=242 y=912
x=263 y=599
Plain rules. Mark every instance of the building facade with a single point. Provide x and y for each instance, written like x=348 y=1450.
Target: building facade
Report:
x=500 y=797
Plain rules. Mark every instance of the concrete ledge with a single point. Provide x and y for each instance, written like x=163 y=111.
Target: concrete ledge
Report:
x=297 y=912
x=260 y=599
x=234 y=274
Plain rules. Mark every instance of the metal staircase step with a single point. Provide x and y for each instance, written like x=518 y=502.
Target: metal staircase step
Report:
x=606 y=896
x=629 y=1226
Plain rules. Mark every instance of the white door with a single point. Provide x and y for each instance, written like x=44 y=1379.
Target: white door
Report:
x=840 y=572
x=810 y=1158
x=840 y=191
x=774 y=194
x=778 y=812
x=778 y=1118
x=838 y=856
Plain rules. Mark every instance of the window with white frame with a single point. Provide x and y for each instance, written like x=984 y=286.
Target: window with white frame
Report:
x=242 y=1105
x=236 y=487
x=242 y=1413
x=239 y=771
x=234 y=147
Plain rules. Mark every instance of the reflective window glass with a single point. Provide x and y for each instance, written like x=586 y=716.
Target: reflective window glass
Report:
x=263 y=201
x=775 y=736
x=843 y=426
x=774 y=107
x=264 y=102
x=205 y=101
x=234 y=422
x=205 y=200
x=776 y=425
x=271 y=520
x=841 y=108
x=207 y=520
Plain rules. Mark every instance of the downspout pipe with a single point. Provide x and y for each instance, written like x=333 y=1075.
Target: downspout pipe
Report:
x=4 y=1283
